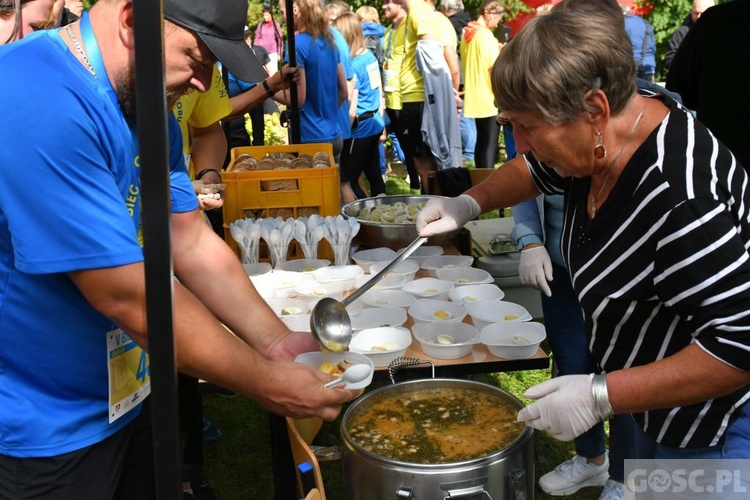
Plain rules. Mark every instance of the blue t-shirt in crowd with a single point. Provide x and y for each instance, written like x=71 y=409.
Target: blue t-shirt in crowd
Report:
x=345 y=123
x=71 y=201
x=368 y=94
x=318 y=119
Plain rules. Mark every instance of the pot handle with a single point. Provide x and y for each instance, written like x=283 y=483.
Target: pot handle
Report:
x=404 y=362
x=466 y=492
x=517 y=484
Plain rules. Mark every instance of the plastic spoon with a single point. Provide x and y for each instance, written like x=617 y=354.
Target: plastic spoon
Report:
x=352 y=375
x=329 y=321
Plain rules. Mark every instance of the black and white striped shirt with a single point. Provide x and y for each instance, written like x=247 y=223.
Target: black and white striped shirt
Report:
x=665 y=263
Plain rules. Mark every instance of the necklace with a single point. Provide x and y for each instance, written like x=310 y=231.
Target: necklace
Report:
x=612 y=163
x=81 y=53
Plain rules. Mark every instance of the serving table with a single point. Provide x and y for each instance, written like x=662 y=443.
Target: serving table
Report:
x=479 y=360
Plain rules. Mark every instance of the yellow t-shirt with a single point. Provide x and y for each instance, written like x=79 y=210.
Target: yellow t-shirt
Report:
x=393 y=48
x=477 y=58
x=446 y=33
x=420 y=21
x=201 y=109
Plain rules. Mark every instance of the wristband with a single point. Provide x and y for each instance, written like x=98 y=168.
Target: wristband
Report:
x=601 y=399
x=203 y=172
x=268 y=89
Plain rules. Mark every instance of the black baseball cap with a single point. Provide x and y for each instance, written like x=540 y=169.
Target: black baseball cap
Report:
x=221 y=26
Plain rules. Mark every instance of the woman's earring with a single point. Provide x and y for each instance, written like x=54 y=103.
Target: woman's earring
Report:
x=600 y=152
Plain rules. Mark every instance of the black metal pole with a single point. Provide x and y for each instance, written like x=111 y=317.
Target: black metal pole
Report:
x=293 y=109
x=152 y=111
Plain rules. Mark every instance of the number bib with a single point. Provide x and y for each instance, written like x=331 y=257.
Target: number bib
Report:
x=129 y=374
x=389 y=84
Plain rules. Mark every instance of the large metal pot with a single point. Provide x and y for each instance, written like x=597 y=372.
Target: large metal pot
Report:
x=382 y=234
x=507 y=473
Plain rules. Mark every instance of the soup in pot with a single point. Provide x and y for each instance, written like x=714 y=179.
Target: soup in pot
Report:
x=437 y=425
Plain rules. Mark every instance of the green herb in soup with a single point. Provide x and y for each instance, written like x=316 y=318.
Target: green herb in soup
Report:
x=436 y=425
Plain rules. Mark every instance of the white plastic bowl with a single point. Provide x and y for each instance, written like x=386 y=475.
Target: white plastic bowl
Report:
x=285 y=306
x=513 y=340
x=312 y=289
x=390 y=282
x=282 y=282
x=446 y=340
x=337 y=273
x=425 y=252
x=429 y=288
x=497 y=311
x=408 y=268
x=377 y=317
x=306 y=266
x=472 y=294
x=432 y=264
x=437 y=311
x=395 y=341
x=316 y=358
x=387 y=298
x=257 y=269
x=465 y=275
x=366 y=258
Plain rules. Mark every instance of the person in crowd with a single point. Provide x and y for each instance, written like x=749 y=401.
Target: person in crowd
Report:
x=373 y=31
x=19 y=18
x=268 y=35
x=319 y=94
x=424 y=43
x=698 y=8
x=454 y=11
x=367 y=110
x=336 y=8
x=641 y=35
x=393 y=50
x=479 y=50
x=655 y=232
x=713 y=48
x=73 y=264
x=333 y=10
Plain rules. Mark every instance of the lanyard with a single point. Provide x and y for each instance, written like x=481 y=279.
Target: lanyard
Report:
x=95 y=56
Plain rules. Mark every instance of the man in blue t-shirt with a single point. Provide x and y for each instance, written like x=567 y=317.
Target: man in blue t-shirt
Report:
x=73 y=370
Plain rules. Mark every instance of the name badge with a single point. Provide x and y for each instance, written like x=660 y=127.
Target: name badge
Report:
x=129 y=374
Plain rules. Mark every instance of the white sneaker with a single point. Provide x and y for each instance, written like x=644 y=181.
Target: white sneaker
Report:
x=572 y=475
x=613 y=490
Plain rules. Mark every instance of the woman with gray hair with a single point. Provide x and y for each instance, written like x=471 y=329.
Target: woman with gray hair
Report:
x=655 y=235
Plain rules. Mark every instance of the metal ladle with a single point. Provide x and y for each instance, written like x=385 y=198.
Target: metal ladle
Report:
x=330 y=323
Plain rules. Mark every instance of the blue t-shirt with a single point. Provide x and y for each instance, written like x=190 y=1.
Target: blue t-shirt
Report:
x=368 y=94
x=345 y=123
x=318 y=118
x=71 y=202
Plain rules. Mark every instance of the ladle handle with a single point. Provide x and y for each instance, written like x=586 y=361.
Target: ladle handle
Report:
x=405 y=253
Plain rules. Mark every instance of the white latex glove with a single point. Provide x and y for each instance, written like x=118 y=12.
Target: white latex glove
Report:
x=535 y=269
x=441 y=215
x=565 y=407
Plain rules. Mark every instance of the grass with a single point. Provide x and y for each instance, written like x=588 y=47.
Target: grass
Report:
x=239 y=464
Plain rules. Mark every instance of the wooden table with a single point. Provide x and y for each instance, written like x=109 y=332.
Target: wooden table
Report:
x=479 y=360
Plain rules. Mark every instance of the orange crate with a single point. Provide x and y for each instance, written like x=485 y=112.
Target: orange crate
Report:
x=318 y=191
